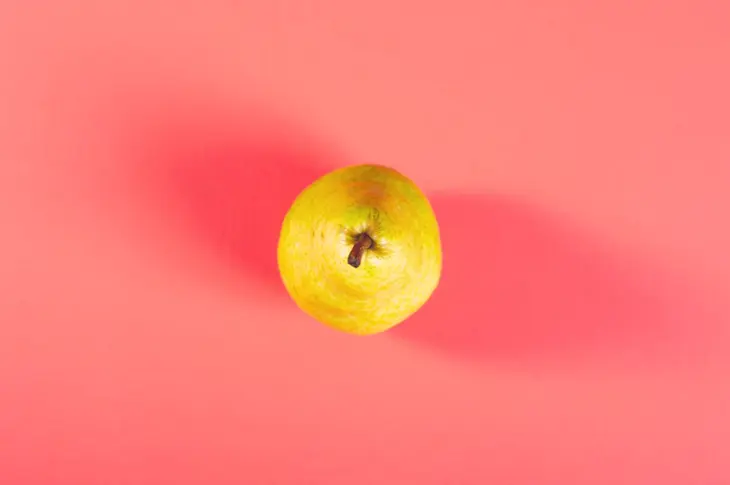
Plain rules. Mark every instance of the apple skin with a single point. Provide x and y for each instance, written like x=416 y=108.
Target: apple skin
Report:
x=398 y=270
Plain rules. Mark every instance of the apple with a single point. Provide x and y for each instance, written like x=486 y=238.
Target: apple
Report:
x=360 y=249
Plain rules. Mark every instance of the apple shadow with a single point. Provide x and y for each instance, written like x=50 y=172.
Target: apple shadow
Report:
x=518 y=284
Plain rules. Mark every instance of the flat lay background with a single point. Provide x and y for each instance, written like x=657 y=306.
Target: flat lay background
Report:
x=577 y=155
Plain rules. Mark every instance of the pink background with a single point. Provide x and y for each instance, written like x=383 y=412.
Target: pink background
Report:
x=577 y=155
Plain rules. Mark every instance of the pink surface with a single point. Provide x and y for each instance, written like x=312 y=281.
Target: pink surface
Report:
x=577 y=155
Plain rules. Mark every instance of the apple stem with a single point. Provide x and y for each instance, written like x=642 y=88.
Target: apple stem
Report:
x=362 y=243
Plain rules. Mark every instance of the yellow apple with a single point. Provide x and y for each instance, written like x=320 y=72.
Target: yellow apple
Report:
x=360 y=250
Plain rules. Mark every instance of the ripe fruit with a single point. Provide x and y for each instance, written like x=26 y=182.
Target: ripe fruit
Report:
x=360 y=250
